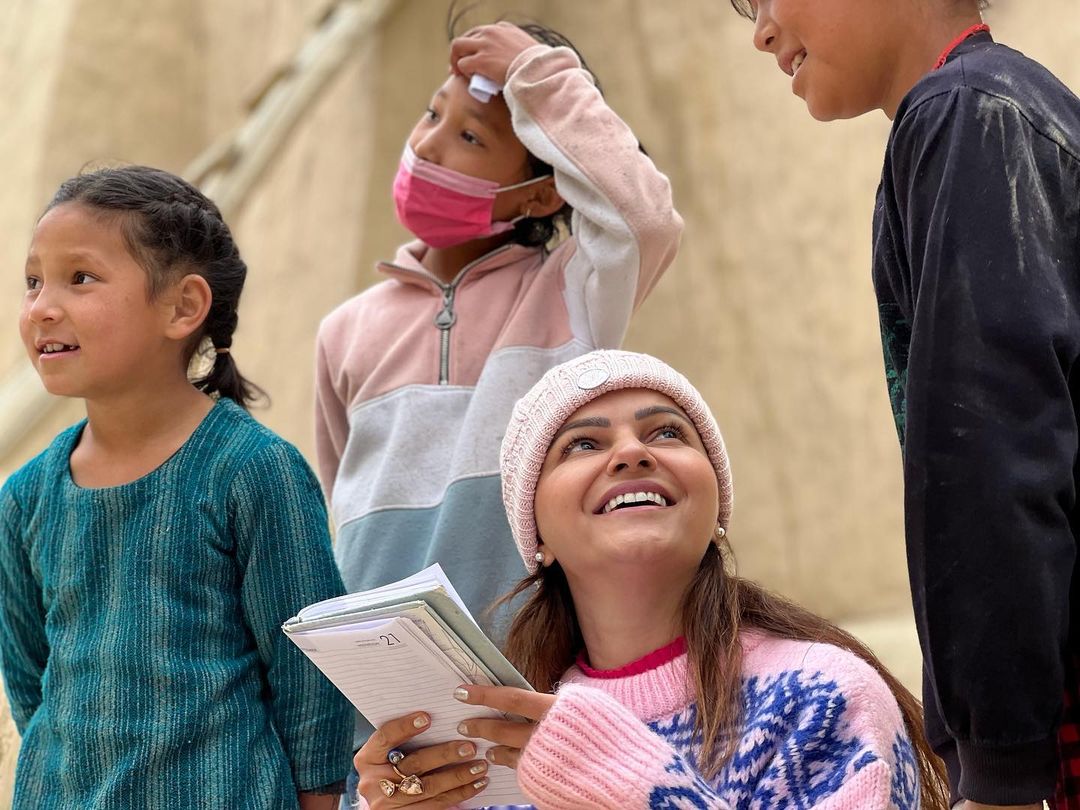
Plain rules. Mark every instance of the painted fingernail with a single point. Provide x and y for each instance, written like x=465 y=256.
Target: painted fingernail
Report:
x=479 y=767
x=420 y=721
x=461 y=693
x=463 y=728
x=465 y=751
x=480 y=783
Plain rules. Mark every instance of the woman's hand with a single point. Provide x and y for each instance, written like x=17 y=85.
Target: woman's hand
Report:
x=447 y=772
x=509 y=736
x=488 y=50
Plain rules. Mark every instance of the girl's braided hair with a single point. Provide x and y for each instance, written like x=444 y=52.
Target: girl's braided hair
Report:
x=172 y=229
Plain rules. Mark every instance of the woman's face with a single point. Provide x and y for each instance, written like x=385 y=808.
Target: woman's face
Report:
x=627 y=482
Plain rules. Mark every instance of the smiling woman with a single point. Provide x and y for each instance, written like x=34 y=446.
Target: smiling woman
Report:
x=617 y=483
x=675 y=681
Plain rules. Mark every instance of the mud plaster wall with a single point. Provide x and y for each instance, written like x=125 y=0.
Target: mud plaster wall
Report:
x=768 y=308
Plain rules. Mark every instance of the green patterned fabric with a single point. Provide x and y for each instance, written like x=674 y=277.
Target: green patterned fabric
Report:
x=895 y=342
x=140 y=628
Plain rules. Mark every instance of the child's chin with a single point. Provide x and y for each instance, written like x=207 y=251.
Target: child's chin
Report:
x=54 y=384
x=826 y=110
x=59 y=389
x=821 y=112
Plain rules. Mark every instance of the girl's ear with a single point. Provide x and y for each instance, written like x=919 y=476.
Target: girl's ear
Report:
x=186 y=306
x=543 y=200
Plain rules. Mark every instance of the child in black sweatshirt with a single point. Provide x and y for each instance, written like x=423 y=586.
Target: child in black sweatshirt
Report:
x=977 y=271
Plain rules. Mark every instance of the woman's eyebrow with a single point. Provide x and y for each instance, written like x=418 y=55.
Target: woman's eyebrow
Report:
x=592 y=421
x=652 y=410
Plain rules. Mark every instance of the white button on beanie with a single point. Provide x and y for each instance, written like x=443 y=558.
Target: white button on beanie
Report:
x=559 y=393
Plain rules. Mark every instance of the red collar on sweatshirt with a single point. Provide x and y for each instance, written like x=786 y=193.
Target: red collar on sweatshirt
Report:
x=646 y=663
x=970 y=32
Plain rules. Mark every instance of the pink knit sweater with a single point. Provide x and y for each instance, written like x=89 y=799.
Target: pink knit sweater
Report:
x=821 y=730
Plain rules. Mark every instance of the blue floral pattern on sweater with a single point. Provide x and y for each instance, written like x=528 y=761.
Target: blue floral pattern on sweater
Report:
x=905 y=786
x=682 y=796
x=794 y=751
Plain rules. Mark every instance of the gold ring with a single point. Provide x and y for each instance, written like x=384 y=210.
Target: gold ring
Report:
x=410 y=784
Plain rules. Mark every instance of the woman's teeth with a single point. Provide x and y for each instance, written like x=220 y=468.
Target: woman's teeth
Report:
x=49 y=348
x=796 y=63
x=634 y=498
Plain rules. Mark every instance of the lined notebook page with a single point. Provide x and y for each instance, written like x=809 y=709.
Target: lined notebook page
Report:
x=387 y=668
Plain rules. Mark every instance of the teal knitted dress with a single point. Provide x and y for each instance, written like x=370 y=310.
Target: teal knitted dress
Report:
x=140 y=628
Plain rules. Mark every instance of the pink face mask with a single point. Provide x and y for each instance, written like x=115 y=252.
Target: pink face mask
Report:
x=444 y=208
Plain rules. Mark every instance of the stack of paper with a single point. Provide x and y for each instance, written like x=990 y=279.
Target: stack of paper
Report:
x=404 y=648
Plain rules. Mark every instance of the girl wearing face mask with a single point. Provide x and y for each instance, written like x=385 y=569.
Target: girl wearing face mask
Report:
x=540 y=227
x=677 y=683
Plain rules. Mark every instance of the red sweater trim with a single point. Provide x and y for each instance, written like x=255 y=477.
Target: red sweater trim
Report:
x=650 y=661
x=972 y=31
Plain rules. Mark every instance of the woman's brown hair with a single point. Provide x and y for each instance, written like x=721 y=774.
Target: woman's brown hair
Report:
x=545 y=638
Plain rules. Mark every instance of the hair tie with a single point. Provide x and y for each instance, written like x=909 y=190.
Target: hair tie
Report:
x=221 y=351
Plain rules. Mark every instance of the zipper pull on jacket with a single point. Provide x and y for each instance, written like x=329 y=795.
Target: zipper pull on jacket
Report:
x=446 y=317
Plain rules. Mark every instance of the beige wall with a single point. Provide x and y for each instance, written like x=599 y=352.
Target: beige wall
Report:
x=768 y=309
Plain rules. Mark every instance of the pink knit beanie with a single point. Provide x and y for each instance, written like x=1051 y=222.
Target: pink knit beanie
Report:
x=545 y=408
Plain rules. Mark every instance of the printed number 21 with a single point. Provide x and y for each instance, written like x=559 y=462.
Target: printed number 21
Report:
x=390 y=639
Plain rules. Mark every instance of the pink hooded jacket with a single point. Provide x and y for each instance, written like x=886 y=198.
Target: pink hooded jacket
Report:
x=416 y=379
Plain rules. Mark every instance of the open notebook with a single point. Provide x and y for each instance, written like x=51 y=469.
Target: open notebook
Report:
x=403 y=648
